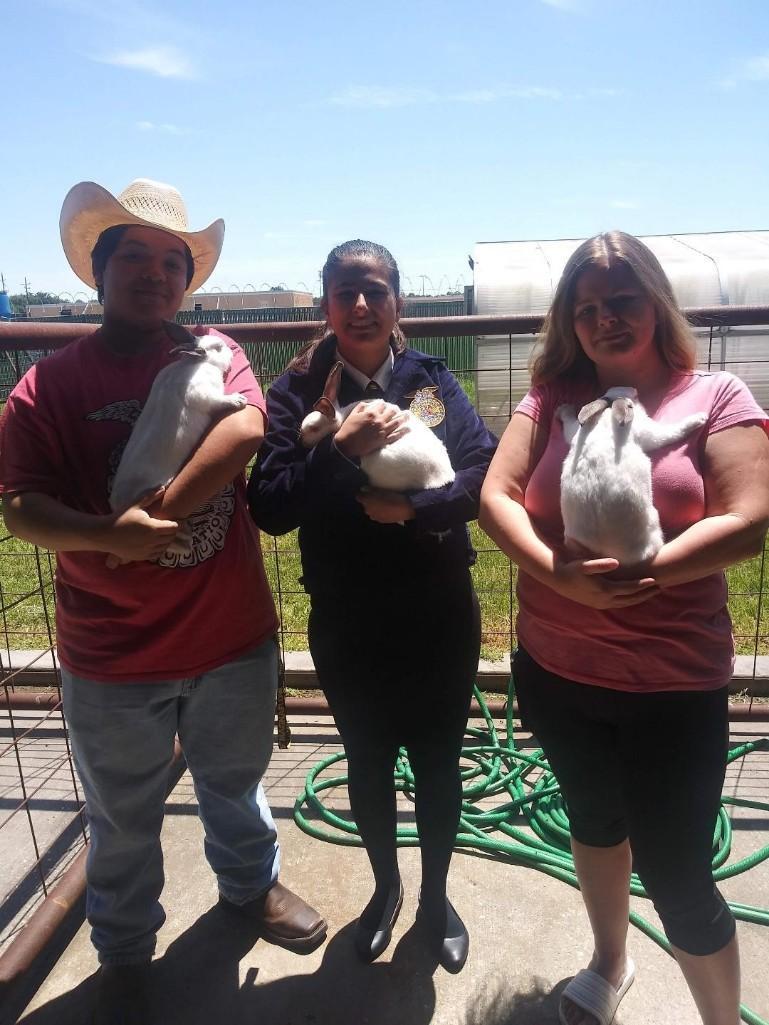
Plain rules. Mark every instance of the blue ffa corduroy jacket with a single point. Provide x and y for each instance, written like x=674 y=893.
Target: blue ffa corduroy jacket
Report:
x=342 y=549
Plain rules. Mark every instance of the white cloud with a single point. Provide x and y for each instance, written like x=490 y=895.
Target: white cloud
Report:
x=756 y=68
x=164 y=61
x=477 y=96
x=752 y=69
x=364 y=96
x=505 y=92
x=534 y=92
x=376 y=96
x=151 y=126
x=605 y=92
x=563 y=5
x=119 y=13
x=594 y=93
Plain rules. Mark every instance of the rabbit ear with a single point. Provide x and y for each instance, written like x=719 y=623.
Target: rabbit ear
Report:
x=182 y=350
x=179 y=334
x=622 y=410
x=331 y=391
x=327 y=403
x=592 y=409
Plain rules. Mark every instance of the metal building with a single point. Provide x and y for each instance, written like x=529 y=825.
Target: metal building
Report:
x=706 y=269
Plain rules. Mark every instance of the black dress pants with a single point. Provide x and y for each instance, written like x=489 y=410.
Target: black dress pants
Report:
x=398 y=668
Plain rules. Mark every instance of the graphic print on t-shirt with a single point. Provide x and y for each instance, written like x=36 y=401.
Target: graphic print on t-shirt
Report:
x=208 y=526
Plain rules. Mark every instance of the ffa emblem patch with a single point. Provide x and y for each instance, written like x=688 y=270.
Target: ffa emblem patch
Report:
x=427 y=407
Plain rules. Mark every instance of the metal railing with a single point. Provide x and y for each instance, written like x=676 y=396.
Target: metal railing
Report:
x=489 y=355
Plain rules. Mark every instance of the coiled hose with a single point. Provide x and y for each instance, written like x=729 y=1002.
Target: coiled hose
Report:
x=525 y=786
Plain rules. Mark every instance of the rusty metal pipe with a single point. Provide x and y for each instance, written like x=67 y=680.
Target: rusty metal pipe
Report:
x=23 y=335
x=739 y=711
x=43 y=923
x=29 y=702
x=18 y=961
x=319 y=706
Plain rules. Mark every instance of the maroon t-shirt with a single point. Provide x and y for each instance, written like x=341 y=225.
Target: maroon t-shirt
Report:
x=62 y=434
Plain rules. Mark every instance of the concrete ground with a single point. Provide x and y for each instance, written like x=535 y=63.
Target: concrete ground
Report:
x=529 y=933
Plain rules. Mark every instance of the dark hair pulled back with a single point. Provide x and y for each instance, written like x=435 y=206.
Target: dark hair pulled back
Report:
x=354 y=249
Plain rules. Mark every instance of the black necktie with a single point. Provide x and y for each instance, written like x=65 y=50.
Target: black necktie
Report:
x=373 y=391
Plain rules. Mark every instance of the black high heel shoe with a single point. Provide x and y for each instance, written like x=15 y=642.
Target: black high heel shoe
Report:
x=449 y=938
x=370 y=943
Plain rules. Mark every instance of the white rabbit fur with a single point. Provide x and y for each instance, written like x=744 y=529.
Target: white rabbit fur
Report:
x=414 y=462
x=183 y=401
x=606 y=484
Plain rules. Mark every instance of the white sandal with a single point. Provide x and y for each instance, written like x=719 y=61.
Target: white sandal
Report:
x=593 y=994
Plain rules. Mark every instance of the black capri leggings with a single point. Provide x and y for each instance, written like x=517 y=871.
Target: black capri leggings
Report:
x=647 y=767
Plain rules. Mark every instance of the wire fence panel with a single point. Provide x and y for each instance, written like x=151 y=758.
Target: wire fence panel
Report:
x=42 y=825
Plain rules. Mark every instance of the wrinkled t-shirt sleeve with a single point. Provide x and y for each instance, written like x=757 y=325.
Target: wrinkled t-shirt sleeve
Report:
x=734 y=404
x=31 y=456
x=537 y=404
x=241 y=379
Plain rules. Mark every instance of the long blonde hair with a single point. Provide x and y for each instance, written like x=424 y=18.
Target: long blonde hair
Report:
x=558 y=352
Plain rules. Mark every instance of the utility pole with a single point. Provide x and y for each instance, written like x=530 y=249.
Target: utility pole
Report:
x=26 y=291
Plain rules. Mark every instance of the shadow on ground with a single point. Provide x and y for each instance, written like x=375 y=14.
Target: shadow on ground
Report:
x=197 y=982
x=502 y=1002
x=498 y=1003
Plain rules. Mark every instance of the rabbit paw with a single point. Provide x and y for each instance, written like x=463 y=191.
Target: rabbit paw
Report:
x=231 y=403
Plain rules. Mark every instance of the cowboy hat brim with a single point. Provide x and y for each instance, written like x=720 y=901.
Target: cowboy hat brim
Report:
x=88 y=210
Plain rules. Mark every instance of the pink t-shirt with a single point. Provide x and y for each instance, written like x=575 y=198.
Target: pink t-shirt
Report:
x=62 y=434
x=681 y=639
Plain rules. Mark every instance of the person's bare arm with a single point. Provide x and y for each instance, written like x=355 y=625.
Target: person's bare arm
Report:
x=736 y=475
x=130 y=535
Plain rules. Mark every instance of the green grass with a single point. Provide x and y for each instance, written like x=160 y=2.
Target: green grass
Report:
x=25 y=593
x=749 y=591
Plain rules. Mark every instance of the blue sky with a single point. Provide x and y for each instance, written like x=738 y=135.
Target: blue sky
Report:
x=427 y=126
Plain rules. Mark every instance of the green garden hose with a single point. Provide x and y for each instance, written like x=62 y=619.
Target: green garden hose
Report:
x=525 y=786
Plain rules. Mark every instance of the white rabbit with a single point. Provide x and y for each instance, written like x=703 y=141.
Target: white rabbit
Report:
x=414 y=462
x=184 y=399
x=606 y=483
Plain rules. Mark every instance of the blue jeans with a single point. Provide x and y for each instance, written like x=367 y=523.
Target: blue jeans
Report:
x=122 y=737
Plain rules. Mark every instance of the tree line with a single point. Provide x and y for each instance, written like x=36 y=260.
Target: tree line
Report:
x=20 y=301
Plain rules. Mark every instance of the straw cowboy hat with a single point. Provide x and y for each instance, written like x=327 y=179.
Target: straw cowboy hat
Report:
x=89 y=210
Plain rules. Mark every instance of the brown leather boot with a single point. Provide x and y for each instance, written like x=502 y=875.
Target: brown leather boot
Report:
x=282 y=918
